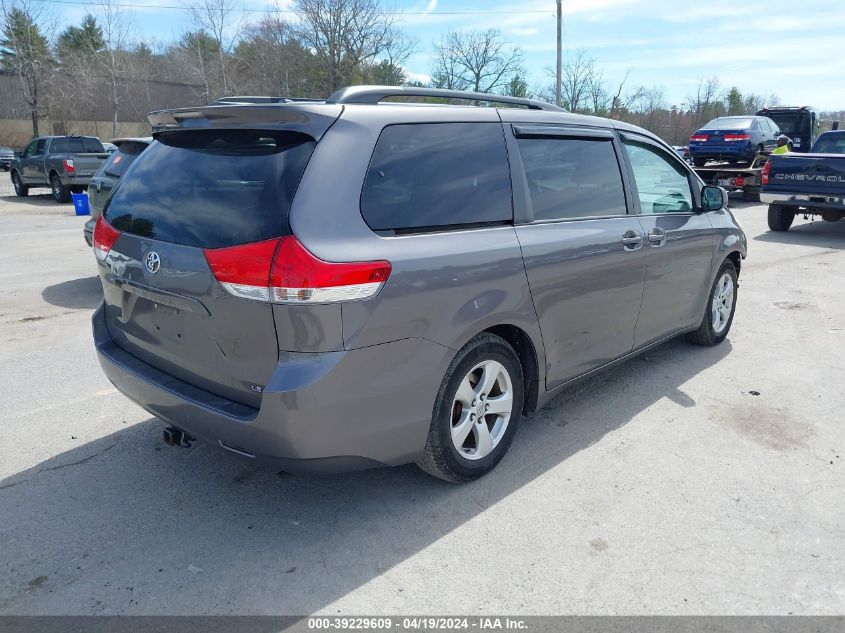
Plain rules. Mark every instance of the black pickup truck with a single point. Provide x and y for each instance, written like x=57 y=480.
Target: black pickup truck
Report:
x=812 y=184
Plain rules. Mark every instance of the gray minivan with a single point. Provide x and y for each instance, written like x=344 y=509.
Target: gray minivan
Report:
x=333 y=285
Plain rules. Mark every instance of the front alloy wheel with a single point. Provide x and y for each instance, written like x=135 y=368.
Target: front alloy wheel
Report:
x=723 y=303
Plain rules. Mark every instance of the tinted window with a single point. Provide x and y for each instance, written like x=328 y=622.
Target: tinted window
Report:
x=30 y=149
x=440 y=174
x=662 y=184
x=77 y=145
x=212 y=188
x=572 y=178
x=121 y=158
x=39 y=146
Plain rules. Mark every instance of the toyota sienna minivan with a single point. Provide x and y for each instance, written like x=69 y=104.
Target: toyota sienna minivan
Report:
x=334 y=285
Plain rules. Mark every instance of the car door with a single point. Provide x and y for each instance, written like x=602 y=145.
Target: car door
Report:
x=27 y=160
x=582 y=248
x=678 y=241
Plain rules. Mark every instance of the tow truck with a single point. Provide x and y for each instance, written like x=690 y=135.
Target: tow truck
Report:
x=745 y=178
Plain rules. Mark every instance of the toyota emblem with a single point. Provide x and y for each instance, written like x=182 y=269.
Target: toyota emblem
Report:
x=152 y=262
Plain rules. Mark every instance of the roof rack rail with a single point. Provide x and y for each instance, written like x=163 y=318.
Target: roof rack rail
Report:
x=375 y=94
x=254 y=99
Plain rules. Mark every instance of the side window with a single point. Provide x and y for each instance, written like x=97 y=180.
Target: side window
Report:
x=437 y=174
x=30 y=149
x=662 y=185
x=572 y=178
x=39 y=147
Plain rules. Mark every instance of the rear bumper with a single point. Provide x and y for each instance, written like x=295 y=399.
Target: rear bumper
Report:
x=721 y=151
x=320 y=413
x=819 y=201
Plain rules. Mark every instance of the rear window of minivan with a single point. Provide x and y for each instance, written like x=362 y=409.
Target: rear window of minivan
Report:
x=431 y=175
x=212 y=188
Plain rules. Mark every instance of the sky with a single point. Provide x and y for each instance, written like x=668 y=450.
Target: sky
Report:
x=782 y=47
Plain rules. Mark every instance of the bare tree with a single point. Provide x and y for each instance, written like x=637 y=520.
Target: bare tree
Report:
x=25 y=51
x=345 y=34
x=222 y=21
x=480 y=60
x=705 y=103
x=113 y=61
x=272 y=59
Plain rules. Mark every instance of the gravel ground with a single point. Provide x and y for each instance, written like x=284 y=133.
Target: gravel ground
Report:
x=688 y=481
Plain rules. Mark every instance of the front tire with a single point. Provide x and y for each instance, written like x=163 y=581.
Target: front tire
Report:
x=780 y=217
x=60 y=192
x=477 y=411
x=719 y=312
x=21 y=190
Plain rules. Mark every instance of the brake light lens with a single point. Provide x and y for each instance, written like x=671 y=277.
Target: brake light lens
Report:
x=737 y=137
x=699 y=138
x=105 y=235
x=767 y=169
x=284 y=271
x=68 y=165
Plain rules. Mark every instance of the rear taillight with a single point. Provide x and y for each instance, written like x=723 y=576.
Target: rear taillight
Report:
x=737 y=137
x=699 y=138
x=284 y=271
x=68 y=165
x=105 y=235
x=767 y=169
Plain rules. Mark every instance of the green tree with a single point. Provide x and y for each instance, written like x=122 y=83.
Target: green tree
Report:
x=735 y=102
x=25 y=52
x=85 y=40
x=517 y=87
x=384 y=73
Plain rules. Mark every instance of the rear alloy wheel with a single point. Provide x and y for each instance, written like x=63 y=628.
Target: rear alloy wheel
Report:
x=21 y=190
x=780 y=217
x=721 y=305
x=477 y=411
x=60 y=192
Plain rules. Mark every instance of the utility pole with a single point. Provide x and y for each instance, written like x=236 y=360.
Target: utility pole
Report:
x=559 y=74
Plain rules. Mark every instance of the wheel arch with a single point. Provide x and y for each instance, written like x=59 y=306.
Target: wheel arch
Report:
x=736 y=258
x=527 y=354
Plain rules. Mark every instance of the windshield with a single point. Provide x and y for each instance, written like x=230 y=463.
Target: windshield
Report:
x=211 y=188
x=830 y=144
x=79 y=145
x=730 y=123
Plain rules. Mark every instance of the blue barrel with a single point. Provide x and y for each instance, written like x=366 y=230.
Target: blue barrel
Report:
x=80 y=203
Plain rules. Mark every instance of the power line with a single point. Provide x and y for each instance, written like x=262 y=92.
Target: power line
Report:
x=129 y=5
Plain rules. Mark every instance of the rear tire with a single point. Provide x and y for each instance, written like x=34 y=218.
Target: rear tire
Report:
x=60 y=192
x=460 y=405
x=780 y=217
x=720 y=308
x=21 y=190
x=699 y=162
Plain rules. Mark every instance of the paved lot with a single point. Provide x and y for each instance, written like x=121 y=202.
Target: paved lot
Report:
x=665 y=486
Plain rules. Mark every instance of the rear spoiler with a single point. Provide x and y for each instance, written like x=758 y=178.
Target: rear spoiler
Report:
x=309 y=118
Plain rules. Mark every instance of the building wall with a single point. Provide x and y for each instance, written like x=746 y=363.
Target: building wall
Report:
x=89 y=113
x=16 y=133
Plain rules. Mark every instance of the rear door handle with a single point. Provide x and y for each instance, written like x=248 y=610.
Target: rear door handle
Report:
x=657 y=237
x=631 y=241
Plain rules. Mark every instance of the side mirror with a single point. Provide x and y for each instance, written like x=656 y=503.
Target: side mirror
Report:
x=713 y=198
